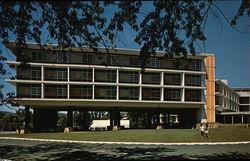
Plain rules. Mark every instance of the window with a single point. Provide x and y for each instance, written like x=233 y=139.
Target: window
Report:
x=35 y=91
x=151 y=94
x=62 y=57
x=192 y=80
x=112 y=59
x=129 y=93
x=111 y=76
x=244 y=108
x=86 y=75
x=105 y=92
x=176 y=64
x=84 y=92
x=62 y=74
x=196 y=65
x=88 y=58
x=172 y=94
x=105 y=76
x=155 y=63
x=133 y=77
x=133 y=61
x=29 y=90
x=128 y=77
x=172 y=79
x=244 y=100
x=193 y=95
x=35 y=73
x=62 y=92
x=38 y=56
x=151 y=78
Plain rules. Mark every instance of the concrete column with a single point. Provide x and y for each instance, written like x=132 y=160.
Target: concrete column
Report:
x=27 y=118
x=117 y=92
x=117 y=76
x=182 y=95
x=35 y=119
x=93 y=91
x=42 y=78
x=42 y=73
x=46 y=120
x=182 y=84
x=111 y=117
x=242 y=119
x=68 y=90
x=117 y=118
x=162 y=78
x=149 y=119
x=93 y=75
x=162 y=94
x=117 y=87
x=140 y=78
x=232 y=117
x=140 y=93
x=70 y=118
x=183 y=79
x=42 y=90
x=68 y=74
x=224 y=119
x=140 y=88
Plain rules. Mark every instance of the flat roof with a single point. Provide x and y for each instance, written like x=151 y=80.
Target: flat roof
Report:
x=11 y=45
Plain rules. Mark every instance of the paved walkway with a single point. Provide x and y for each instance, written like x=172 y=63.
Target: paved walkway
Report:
x=129 y=143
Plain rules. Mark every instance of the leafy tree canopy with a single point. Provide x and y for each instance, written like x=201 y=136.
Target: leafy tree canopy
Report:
x=171 y=26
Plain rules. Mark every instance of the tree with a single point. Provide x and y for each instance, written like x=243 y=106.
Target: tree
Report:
x=171 y=26
x=82 y=120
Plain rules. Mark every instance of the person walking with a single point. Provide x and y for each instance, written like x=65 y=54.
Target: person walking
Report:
x=202 y=131
x=206 y=132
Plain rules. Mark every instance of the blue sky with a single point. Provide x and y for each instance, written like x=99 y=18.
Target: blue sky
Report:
x=230 y=47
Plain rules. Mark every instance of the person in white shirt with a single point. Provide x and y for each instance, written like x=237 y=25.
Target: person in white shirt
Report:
x=202 y=130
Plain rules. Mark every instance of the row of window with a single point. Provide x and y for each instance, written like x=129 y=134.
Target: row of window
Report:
x=85 y=75
x=107 y=92
x=110 y=59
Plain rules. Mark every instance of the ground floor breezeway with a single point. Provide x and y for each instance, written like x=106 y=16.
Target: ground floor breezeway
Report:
x=45 y=119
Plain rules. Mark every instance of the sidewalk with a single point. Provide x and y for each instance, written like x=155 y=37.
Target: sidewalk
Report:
x=133 y=143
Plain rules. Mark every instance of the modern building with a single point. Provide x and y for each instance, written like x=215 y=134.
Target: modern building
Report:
x=232 y=104
x=244 y=104
x=112 y=80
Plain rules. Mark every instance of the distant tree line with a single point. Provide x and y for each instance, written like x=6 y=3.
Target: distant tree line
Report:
x=11 y=121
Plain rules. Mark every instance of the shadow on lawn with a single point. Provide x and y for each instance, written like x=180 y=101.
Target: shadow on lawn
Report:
x=73 y=152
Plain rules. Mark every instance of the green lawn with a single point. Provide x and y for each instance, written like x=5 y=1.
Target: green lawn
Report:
x=227 y=134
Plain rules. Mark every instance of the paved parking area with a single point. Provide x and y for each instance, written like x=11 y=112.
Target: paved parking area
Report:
x=43 y=150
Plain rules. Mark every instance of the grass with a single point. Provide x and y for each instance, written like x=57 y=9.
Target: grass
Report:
x=222 y=134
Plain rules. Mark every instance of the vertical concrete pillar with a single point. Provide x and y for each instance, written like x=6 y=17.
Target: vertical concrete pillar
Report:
x=70 y=118
x=232 y=117
x=111 y=117
x=140 y=88
x=149 y=119
x=27 y=118
x=42 y=90
x=116 y=118
x=242 y=119
x=93 y=80
x=35 y=119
